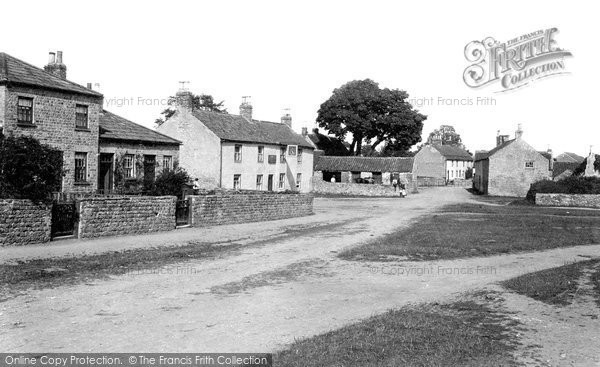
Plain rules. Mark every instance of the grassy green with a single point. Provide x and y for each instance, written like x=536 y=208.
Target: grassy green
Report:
x=466 y=230
x=557 y=286
x=465 y=333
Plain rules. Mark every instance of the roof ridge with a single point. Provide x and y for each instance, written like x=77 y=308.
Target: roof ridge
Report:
x=142 y=126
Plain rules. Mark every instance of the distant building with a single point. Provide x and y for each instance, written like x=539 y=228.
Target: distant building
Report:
x=382 y=170
x=568 y=157
x=237 y=152
x=510 y=168
x=442 y=161
x=331 y=146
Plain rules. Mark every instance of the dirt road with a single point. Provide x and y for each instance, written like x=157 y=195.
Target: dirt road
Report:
x=288 y=285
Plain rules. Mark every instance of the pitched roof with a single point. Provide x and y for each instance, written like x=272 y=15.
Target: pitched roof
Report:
x=114 y=127
x=560 y=167
x=236 y=128
x=452 y=152
x=364 y=164
x=15 y=71
x=329 y=144
x=546 y=155
x=569 y=157
x=484 y=155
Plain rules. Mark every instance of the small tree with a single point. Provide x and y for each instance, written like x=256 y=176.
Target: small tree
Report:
x=170 y=182
x=29 y=169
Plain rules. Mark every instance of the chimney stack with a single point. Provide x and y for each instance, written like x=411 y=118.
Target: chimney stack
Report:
x=89 y=86
x=287 y=118
x=55 y=65
x=305 y=132
x=500 y=139
x=185 y=99
x=519 y=132
x=246 y=108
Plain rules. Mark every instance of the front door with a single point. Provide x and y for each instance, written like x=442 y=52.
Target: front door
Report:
x=270 y=183
x=105 y=176
x=149 y=171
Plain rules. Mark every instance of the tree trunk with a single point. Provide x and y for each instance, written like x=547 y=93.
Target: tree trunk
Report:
x=358 y=145
x=377 y=142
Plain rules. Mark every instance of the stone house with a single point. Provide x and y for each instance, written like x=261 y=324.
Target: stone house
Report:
x=510 y=168
x=348 y=169
x=442 y=161
x=238 y=152
x=60 y=113
x=139 y=152
x=69 y=117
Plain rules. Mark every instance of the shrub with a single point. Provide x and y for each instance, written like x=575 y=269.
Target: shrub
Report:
x=568 y=185
x=170 y=182
x=29 y=169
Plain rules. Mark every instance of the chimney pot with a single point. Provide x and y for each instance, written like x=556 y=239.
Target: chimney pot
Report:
x=89 y=85
x=51 y=58
x=287 y=119
x=304 y=131
x=59 y=57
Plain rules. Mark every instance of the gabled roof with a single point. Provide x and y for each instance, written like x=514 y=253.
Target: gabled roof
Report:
x=237 y=129
x=560 y=167
x=329 y=144
x=569 y=157
x=546 y=155
x=484 y=155
x=453 y=153
x=364 y=164
x=114 y=127
x=15 y=71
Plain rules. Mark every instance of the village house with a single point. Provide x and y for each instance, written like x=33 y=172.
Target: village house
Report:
x=443 y=162
x=43 y=104
x=231 y=151
x=511 y=167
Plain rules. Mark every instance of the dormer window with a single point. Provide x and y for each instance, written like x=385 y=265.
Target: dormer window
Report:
x=25 y=110
x=81 y=117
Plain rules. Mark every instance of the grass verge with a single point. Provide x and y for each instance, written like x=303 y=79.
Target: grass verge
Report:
x=557 y=286
x=466 y=230
x=464 y=333
x=53 y=272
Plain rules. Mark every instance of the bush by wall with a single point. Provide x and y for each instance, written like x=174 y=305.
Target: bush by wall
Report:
x=568 y=185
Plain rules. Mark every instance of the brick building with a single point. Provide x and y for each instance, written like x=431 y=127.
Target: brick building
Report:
x=237 y=152
x=510 y=168
x=442 y=161
x=43 y=104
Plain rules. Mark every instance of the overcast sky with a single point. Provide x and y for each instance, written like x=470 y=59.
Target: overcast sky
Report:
x=293 y=54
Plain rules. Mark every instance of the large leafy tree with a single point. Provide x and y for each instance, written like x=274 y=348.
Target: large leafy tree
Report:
x=204 y=102
x=372 y=116
x=29 y=169
x=447 y=135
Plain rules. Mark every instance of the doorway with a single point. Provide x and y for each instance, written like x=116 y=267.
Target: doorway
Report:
x=105 y=173
x=149 y=171
x=270 y=183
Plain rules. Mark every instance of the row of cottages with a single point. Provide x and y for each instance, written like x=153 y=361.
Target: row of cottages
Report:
x=43 y=104
x=511 y=167
x=382 y=170
x=238 y=152
x=442 y=162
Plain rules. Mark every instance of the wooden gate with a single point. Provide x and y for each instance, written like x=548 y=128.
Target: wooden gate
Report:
x=64 y=217
x=182 y=212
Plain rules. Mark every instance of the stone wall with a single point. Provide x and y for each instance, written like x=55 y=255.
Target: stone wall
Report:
x=577 y=200
x=23 y=222
x=125 y=215
x=229 y=208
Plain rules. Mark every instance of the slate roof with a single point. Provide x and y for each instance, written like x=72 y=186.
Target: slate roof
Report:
x=364 y=164
x=560 y=167
x=329 y=144
x=453 y=153
x=15 y=71
x=237 y=129
x=569 y=157
x=484 y=155
x=114 y=127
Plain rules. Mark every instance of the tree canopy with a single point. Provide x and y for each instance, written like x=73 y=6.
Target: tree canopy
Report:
x=203 y=102
x=29 y=169
x=372 y=115
x=445 y=135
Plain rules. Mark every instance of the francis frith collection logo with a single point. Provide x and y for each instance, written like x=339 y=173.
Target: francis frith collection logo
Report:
x=515 y=63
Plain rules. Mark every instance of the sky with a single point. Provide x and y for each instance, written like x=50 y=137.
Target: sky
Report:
x=293 y=54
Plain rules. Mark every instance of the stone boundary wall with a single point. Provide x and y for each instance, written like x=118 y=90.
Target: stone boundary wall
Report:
x=230 y=208
x=577 y=200
x=100 y=217
x=23 y=222
x=353 y=189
